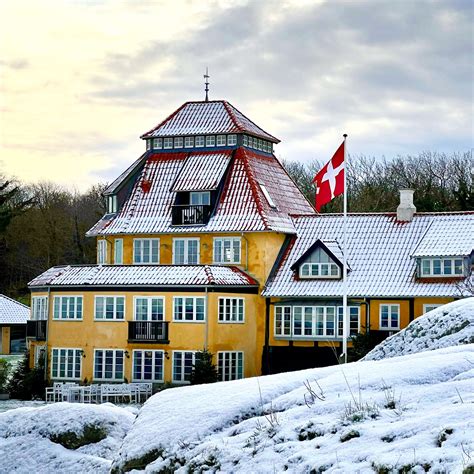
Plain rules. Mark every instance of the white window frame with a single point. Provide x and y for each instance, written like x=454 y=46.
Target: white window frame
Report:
x=314 y=321
x=229 y=371
x=389 y=327
x=154 y=379
x=245 y=141
x=114 y=378
x=39 y=308
x=432 y=306
x=118 y=251
x=221 y=257
x=112 y=204
x=186 y=241
x=178 y=142
x=148 y=144
x=201 y=194
x=167 y=143
x=188 y=142
x=60 y=299
x=221 y=140
x=141 y=251
x=232 y=139
x=40 y=350
x=78 y=353
x=181 y=380
x=199 y=141
x=210 y=141
x=265 y=192
x=157 y=144
x=283 y=332
x=318 y=265
x=115 y=303
x=149 y=300
x=234 y=316
x=102 y=248
x=442 y=273
x=183 y=314
x=340 y=316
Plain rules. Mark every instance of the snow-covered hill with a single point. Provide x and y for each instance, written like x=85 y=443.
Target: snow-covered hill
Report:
x=445 y=326
x=411 y=413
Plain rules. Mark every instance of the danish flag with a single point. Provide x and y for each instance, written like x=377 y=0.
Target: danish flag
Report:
x=330 y=179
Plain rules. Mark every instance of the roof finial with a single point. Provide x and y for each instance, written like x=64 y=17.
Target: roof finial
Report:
x=206 y=77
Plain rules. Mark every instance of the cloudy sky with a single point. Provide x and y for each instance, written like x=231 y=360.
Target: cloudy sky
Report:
x=81 y=80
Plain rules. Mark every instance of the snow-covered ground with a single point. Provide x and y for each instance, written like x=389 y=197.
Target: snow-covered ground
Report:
x=411 y=412
x=32 y=439
x=445 y=326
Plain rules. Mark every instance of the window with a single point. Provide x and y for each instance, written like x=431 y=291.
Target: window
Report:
x=111 y=204
x=221 y=140
x=167 y=143
x=148 y=144
x=231 y=310
x=440 y=267
x=66 y=363
x=183 y=362
x=189 y=309
x=146 y=250
x=109 y=308
x=227 y=249
x=210 y=140
x=199 y=142
x=67 y=307
x=189 y=142
x=108 y=364
x=260 y=144
x=322 y=270
x=178 y=142
x=246 y=140
x=282 y=320
x=198 y=198
x=185 y=251
x=250 y=142
x=118 y=251
x=40 y=353
x=230 y=365
x=101 y=251
x=39 y=308
x=149 y=308
x=389 y=316
x=354 y=320
x=148 y=366
x=314 y=321
x=267 y=195
x=157 y=143
x=430 y=307
x=231 y=140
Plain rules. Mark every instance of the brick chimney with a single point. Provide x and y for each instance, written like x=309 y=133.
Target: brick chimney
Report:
x=406 y=209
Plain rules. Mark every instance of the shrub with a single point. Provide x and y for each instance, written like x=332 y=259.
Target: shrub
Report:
x=4 y=370
x=26 y=383
x=204 y=371
x=362 y=344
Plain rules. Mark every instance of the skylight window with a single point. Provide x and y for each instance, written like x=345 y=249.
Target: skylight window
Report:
x=267 y=195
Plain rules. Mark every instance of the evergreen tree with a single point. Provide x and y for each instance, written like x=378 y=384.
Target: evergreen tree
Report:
x=204 y=371
x=26 y=383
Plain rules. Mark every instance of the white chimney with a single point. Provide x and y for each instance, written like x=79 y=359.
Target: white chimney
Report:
x=406 y=209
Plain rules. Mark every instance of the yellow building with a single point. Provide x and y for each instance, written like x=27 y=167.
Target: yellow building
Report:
x=207 y=243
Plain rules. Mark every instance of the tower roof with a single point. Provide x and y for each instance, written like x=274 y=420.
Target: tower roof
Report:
x=196 y=118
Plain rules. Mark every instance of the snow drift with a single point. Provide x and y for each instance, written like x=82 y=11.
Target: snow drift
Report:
x=411 y=413
x=448 y=325
x=63 y=437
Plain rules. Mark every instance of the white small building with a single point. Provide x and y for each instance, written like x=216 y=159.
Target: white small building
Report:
x=13 y=318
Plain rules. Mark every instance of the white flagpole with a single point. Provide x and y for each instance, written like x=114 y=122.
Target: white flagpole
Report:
x=345 y=325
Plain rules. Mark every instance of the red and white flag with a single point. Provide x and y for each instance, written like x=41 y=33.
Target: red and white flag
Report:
x=330 y=179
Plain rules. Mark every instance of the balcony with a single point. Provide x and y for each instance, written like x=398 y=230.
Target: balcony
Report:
x=148 y=331
x=36 y=330
x=196 y=214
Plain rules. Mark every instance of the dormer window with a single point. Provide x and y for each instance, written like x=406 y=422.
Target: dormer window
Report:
x=200 y=198
x=323 y=270
x=168 y=143
x=111 y=204
x=442 y=267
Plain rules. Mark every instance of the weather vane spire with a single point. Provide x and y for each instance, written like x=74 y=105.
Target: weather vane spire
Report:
x=206 y=77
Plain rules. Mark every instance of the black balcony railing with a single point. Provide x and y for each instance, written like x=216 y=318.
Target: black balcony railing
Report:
x=148 y=331
x=36 y=330
x=190 y=214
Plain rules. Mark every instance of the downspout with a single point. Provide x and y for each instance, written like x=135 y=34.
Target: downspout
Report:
x=206 y=324
x=266 y=348
x=46 y=352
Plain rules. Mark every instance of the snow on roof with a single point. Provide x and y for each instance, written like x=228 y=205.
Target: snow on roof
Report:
x=13 y=312
x=449 y=237
x=202 y=171
x=116 y=184
x=449 y=325
x=196 y=118
x=242 y=206
x=143 y=275
x=379 y=252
